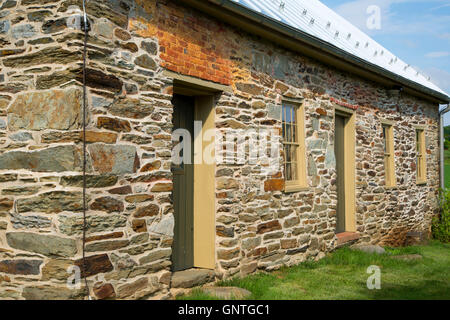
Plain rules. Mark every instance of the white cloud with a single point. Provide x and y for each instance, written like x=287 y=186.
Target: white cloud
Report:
x=437 y=54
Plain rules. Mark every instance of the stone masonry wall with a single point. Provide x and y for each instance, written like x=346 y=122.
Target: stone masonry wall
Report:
x=130 y=216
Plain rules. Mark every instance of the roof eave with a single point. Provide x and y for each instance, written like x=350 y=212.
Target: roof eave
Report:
x=309 y=45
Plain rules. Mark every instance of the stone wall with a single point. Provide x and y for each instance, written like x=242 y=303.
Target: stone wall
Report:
x=130 y=216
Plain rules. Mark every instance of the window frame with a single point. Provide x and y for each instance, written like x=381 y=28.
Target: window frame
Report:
x=300 y=183
x=421 y=155
x=387 y=128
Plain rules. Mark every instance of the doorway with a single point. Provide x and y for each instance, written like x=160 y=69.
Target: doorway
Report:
x=194 y=182
x=344 y=150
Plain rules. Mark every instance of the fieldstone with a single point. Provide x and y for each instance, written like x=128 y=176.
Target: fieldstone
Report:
x=71 y=225
x=28 y=222
x=150 y=47
x=136 y=139
x=53 y=26
x=6 y=204
x=249 y=88
x=122 y=34
x=226 y=183
x=131 y=108
x=23 y=31
x=8 y=4
x=249 y=268
x=274 y=111
x=162 y=187
x=146 y=62
x=77 y=136
x=268 y=226
x=49 y=55
x=57 y=159
x=330 y=158
x=147 y=211
x=225 y=232
x=55 y=109
x=250 y=243
x=20 y=266
x=191 y=278
x=139 y=198
x=26 y=190
x=107 y=204
x=104 y=28
x=2 y=124
x=52 y=202
x=104 y=291
x=112 y=235
x=48 y=245
x=113 y=124
x=4 y=26
x=52 y=292
x=165 y=226
x=274 y=185
x=92 y=181
x=139 y=225
x=57 y=78
x=227 y=293
x=21 y=136
x=10 y=52
x=228 y=254
x=56 y=269
x=94 y=265
x=100 y=102
x=43 y=40
x=38 y=16
x=114 y=159
x=99 y=80
x=129 y=289
x=156 y=255
x=109 y=245
x=369 y=249
x=121 y=190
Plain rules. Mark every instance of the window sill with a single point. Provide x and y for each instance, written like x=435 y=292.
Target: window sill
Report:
x=391 y=187
x=421 y=183
x=290 y=189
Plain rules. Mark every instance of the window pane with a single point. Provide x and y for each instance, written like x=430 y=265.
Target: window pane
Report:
x=385 y=140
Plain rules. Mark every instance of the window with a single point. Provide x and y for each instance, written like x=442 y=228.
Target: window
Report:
x=420 y=156
x=294 y=146
x=388 y=148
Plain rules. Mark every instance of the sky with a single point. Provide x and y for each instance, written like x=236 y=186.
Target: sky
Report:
x=417 y=31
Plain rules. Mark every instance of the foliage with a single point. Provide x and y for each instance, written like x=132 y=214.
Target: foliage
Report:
x=441 y=224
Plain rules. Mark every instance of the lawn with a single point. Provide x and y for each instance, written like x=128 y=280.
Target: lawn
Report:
x=343 y=275
x=447 y=168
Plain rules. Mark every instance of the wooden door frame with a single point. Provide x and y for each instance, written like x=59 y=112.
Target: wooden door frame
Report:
x=349 y=166
x=204 y=174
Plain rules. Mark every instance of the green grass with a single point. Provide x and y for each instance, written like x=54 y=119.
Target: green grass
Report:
x=447 y=168
x=342 y=275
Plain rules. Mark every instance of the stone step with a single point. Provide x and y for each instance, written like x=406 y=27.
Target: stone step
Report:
x=192 y=278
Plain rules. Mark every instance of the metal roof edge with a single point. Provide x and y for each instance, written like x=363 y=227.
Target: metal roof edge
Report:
x=301 y=36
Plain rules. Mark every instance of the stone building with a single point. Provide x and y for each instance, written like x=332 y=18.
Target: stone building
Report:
x=356 y=129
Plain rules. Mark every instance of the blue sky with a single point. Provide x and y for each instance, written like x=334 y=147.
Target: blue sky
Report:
x=417 y=31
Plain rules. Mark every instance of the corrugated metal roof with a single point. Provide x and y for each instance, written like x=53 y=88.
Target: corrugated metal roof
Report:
x=316 y=19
